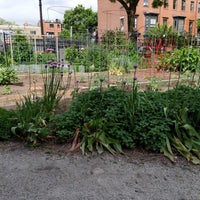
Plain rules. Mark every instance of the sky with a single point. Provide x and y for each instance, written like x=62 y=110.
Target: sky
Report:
x=21 y=11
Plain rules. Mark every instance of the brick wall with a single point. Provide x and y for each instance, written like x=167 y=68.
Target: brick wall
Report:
x=109 y=15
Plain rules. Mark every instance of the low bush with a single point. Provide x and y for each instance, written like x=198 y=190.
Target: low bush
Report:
x=107 y=105
x=141 y=128
x=184 y=59
x=7 y=76
x=32 y=121
x=113 y=119
x=147 y=119
x=7 y=120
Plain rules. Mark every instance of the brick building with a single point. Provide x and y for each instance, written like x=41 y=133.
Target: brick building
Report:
x=52 y=28
x=181 y=14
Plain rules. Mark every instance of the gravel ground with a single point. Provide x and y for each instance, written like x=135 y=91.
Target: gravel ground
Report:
x=52 y=173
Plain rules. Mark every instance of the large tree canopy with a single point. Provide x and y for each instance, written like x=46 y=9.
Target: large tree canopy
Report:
x=130 y=7
x=80 y=19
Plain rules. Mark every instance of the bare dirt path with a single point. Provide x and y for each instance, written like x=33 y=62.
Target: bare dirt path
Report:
x=34 y=83
x=52 y=173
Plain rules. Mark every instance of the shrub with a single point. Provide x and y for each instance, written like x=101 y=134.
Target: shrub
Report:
x=6 y=90
x=151 y=125
x=45 y=57
x=7 y=120
x=184 y=59
x=7 y=76
x=115 y=40
x=22 y=50
x=32 y=120
x=91 y=105
x=74 y=55
x=96 y=55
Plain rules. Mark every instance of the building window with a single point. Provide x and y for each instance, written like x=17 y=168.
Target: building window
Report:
x=51 y=25
x=165 y=19
x=166 y=3
x=174 y=4
x=190 y=27
x=136 y=22
x=33 y=32
x=150 y=21
x=192 y=6
x=199 y=7
x=122 y=24
x=50 y=34
x=146 y=3
x=183 y=5
x=179 y=23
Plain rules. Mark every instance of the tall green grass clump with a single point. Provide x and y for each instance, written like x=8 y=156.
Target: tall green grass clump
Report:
x=35 y=112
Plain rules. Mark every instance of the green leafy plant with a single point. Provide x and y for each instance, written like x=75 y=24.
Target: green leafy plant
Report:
x=22 y=50
x=154 y=84
x=32 y=120
x=162 y=31
x=93 y=136
x=96 y=55
x=185 y=59
x=5 y=58
x=7 y=120
x=115 y=40
x=74 y=55
x=186 y=139
x=151 y=126
x=43 y=58
x=95 y=104
x=133 y=118
x=8 y=75
x=6 y=90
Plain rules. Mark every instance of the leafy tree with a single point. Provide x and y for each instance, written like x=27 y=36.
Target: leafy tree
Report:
x=130 y=8
x=80 y=19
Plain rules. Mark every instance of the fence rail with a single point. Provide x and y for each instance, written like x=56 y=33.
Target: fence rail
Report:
x=115 y=55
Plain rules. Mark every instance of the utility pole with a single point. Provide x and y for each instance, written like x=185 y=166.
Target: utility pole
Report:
x=41 y=23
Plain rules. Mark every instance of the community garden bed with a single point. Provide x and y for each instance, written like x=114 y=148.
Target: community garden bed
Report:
x=113 y=112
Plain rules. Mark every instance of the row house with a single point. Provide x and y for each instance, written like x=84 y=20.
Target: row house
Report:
x=52 y=27
x=26 y=29
x=33 y=34
x=180 y=14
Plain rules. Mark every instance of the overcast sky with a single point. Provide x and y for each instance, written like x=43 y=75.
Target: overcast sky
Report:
x=21 y=11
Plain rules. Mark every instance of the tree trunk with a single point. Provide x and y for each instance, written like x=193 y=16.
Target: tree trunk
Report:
x=130 y=7
x=131 y=23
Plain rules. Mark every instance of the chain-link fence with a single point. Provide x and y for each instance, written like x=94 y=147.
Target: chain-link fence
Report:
x=112 y=56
